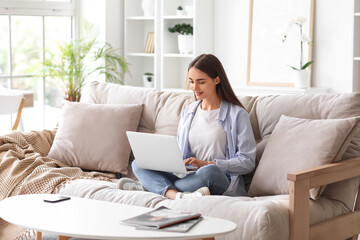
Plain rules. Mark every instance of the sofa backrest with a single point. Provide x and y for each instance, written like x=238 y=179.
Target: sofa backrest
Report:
x=265 y=112
x=162 y=111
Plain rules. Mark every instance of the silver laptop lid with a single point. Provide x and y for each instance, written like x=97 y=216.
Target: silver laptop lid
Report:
x=156 y=152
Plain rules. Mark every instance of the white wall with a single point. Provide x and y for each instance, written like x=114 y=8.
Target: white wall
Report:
x=107 y=17
x=332 y=49
x=94 y=12
x=231 y=21
x=114 y=24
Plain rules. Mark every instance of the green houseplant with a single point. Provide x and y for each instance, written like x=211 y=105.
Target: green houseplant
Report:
x=74 y=61
x=185 y=38
x=182 y=28
x=179 y=11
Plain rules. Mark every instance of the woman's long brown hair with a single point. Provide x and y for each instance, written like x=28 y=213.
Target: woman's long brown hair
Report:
x=212 y=66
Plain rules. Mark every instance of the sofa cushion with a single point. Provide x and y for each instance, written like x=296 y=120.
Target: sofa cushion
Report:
x=92 y=136
x=298 y=144
x=257 y=218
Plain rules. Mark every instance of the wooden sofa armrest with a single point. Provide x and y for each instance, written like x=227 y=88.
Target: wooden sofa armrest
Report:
x=342 y=227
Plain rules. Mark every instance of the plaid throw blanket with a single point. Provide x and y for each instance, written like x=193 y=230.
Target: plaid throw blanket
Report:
x=25 y=169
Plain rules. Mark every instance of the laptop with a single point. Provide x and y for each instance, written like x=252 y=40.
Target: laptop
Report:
x=158 y=152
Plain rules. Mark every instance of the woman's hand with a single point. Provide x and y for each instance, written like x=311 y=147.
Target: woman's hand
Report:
x=197 y=162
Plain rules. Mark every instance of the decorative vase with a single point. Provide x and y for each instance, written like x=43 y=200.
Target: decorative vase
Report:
x=148 y=81
x=302 y=78
x=185 y=44
x=148 y=7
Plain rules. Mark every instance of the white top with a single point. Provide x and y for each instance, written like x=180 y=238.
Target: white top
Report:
x=207 y=139
x=87 y=218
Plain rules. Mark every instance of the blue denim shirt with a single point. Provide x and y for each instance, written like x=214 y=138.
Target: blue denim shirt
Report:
x=240 y=148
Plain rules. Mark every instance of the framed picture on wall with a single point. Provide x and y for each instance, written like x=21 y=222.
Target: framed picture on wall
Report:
x=270 y=53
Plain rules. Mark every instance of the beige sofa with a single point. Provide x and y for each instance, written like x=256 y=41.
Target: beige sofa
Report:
x=285 y=216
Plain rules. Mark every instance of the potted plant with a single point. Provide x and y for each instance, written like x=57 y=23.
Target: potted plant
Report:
x=185 y=37
x=303 y=72
x=69 y=64
x=179 y=11
x=148 y=80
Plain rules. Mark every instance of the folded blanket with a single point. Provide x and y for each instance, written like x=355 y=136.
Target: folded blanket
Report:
x=25 y=169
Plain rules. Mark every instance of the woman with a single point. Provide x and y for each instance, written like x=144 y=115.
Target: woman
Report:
x=214 y=134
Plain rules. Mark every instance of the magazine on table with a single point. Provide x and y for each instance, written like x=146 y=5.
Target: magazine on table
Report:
x=162 y=217
x=177 y=227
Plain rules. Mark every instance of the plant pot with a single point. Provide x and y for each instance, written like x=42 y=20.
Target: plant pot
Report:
x=148 y=81
x=302 y=78
x=185 y=44
x=148 y=7
x=72 y=96
x=180 y=12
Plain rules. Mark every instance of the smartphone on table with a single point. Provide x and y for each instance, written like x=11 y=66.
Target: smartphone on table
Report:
x=56 y=198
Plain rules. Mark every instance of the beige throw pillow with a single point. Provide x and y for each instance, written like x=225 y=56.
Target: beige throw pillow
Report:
x=298 y=144
x=92 y=136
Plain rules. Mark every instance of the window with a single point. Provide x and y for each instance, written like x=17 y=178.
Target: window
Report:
x=26 y=28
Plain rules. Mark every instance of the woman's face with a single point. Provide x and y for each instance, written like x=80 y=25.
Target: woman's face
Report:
x=203 y=86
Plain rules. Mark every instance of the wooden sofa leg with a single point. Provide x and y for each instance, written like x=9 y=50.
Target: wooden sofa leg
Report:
x=63 y=238
x=38 y=236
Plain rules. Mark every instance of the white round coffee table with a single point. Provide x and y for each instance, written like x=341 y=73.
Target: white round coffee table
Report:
x=86 y=218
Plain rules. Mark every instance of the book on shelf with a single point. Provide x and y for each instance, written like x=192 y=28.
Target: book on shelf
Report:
x=164 y=219
x=152 y=43
x=149 y=46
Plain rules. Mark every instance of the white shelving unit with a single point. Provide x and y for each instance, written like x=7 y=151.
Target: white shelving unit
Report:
x=356 y=60
x=167 y=64
x=136 y=28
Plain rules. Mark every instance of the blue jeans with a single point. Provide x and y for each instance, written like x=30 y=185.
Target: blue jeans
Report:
x=159 y=182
